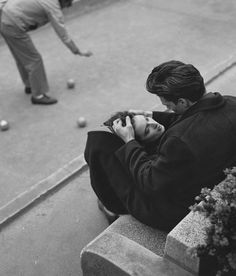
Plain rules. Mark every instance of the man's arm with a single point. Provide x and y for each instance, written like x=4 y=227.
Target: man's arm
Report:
x=165 y=118
x=170 y=169
x=172 y=166
x=56 y=18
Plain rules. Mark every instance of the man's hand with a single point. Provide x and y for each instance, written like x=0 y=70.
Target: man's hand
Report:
x=86 y=54
x=141 y=112
x=83 y=54
x=76 y=51
x=126 y=133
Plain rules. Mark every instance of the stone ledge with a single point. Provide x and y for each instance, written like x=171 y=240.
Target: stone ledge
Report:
x=113 y=254
x=186 y=235
x=134 y=240
x=150 y=238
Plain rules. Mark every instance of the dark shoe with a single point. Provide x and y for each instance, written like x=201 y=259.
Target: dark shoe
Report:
x=44 y=100
x=28 y=90
x=110 y=216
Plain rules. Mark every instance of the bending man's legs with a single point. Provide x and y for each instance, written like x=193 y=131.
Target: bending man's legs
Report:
x=23 y=73
x=28 y=59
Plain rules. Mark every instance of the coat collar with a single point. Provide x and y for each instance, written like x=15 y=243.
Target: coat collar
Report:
x=208 y=102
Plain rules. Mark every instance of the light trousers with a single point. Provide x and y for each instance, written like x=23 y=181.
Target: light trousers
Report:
x=28 y=60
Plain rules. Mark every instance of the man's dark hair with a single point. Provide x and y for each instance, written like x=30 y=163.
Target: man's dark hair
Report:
x=174 y=79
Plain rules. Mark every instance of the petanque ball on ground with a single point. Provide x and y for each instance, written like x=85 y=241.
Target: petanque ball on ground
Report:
x=70 y=84
x=81 y=122
x=4 y=125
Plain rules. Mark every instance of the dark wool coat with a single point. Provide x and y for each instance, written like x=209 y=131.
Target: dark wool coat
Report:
x=192 y=153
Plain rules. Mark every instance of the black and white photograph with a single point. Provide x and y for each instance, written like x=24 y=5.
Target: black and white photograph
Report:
x=117 y=138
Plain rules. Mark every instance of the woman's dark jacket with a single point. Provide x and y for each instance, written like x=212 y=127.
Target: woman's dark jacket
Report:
x=192 y=154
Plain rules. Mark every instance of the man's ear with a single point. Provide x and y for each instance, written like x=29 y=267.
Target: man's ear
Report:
x=184 y=103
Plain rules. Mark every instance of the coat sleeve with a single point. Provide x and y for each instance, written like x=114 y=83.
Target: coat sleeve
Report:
x=165 y=173
x=165 y=118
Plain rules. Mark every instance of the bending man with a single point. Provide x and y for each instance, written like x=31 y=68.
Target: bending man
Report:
x=17 y=18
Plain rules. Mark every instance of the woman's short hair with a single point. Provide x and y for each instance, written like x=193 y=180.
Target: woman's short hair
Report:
x=118 y=115
x=174 y=79
x=150 y=147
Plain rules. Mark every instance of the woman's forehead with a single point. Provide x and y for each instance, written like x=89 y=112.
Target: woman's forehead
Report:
x=139 y=120
x=139 y=123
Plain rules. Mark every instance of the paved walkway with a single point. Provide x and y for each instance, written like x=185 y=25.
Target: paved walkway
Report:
x=48 y=239
x=128 y=38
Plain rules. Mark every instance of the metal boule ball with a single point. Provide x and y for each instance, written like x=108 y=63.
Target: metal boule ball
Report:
x=81 y=122
x=4 y=125
x=70 y=84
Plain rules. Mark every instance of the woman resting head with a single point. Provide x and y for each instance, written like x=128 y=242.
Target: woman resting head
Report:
x=145 y=128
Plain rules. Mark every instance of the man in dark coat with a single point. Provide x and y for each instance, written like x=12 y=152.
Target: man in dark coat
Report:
x=198 y=144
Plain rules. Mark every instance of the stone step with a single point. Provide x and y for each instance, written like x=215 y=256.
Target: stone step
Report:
x=113 y=254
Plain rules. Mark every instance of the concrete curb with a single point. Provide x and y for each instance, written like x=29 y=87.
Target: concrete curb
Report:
x=220 y=69
x=40 y=190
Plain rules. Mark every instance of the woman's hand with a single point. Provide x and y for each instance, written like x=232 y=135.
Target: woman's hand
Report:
x=126 y=133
